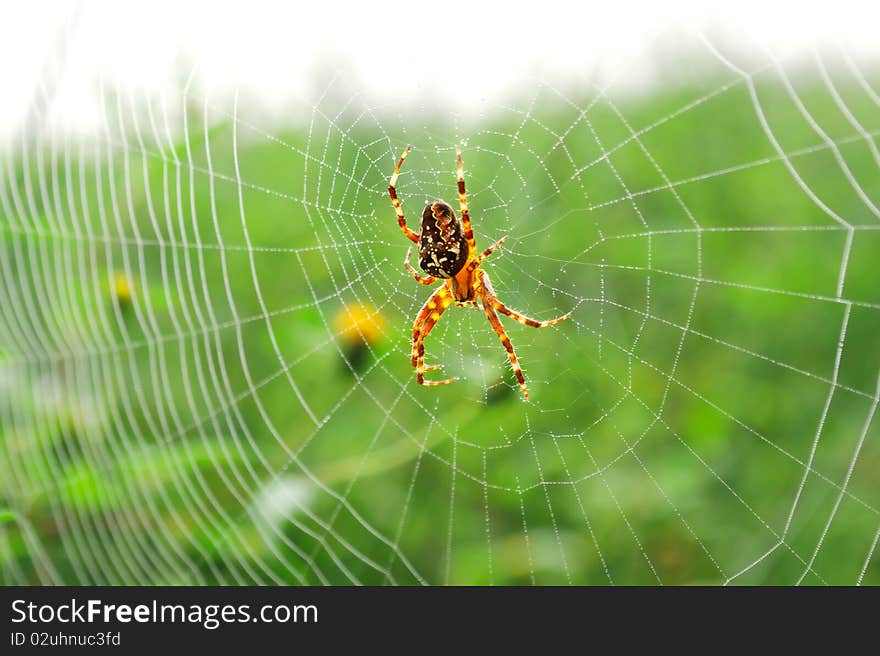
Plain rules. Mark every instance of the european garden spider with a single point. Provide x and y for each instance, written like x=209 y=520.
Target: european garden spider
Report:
x=447 y=250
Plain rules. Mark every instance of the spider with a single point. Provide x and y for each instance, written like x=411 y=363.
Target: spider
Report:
x=448 y=251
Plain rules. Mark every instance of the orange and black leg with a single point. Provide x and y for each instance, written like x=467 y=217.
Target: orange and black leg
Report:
x=463 y=205
x=425 y=322
x=392 y=191
x=495 y=322
x=527 y=321
x=430 y=306
x=423 y=280
x=488 y=293
x=477 y=261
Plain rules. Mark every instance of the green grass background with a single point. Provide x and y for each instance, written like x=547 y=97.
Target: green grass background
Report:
x=160 y=440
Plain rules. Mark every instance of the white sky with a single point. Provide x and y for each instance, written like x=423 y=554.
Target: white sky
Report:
x=463 y=53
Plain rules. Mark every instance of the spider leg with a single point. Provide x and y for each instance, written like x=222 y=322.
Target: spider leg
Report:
x=462 y=203
x=489 y=293
x=495 y=322
x=477 y=261
x=526 y=321
x=424 y=280
x=430 y=306
x=425 y=322
x=392 y=191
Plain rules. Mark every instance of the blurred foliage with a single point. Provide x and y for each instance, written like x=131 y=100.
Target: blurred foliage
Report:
x=183 y=401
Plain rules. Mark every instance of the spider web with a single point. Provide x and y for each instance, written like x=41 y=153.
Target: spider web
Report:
x=186 y=397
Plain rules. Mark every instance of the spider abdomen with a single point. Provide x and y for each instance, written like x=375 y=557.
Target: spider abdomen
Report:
x=443 y=249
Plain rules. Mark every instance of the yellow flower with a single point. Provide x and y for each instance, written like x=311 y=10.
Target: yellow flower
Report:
x=359 y=323
x=122 y=287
